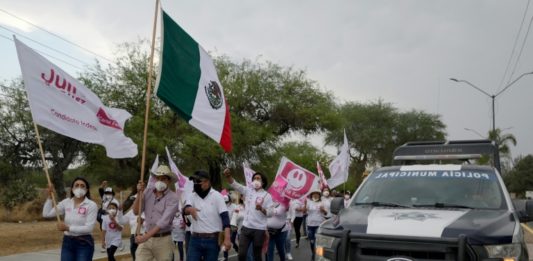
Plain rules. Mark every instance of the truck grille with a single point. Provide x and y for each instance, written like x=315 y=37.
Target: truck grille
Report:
x=419 y=249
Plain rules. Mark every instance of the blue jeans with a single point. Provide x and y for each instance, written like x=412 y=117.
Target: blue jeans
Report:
x=279 y=241
x=201 y=248
x=80 y=248
x=311 y=231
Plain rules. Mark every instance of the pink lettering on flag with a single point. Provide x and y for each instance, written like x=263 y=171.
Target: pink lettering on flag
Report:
x=107 y=120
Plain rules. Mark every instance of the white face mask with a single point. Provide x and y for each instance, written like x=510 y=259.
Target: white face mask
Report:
x=112 y=212
x=160 y=185
x=326 y=193
x=79 y=192
x=315 y=199
x=257 y=184
x=108 y=197
x=346 y=197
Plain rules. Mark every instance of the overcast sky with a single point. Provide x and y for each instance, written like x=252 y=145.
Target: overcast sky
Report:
x=403 y=52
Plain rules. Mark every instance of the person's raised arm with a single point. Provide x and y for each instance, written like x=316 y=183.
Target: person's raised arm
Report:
x=234 y=184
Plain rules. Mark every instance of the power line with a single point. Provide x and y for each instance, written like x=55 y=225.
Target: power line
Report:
x=514 y=45
x=48 y=55
x=44 y=45
x=56 y=35
x=521 y=49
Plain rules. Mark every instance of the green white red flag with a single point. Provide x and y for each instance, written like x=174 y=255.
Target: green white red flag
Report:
x=188 y=83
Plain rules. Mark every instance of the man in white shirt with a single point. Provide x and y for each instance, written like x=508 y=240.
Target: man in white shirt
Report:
x=210 y=217
x=257 y=202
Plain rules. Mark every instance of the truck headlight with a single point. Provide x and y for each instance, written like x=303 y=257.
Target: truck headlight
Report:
x=508 y=252
x=323 y=242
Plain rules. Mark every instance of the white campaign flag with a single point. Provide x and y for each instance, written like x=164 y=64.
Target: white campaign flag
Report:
x=338 y=168
x=248 y=174
x=151 y=179
x=62 y=104
x=184 y=186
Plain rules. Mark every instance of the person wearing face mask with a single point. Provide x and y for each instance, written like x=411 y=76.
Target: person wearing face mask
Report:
x=209 y=218
x=159 y=207
x=112 y=230
x=108 y=195
x=79 y=218
x=232 y=208
x=315 y=216
x=326 y=199
x=346 y=199
x=258 y=203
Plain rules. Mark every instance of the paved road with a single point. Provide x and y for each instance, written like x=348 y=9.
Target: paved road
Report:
x=301 y=253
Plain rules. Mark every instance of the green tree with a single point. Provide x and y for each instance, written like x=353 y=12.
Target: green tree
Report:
x=375 y=129
x=520 y=178
x=18 y=144
x=267 y=103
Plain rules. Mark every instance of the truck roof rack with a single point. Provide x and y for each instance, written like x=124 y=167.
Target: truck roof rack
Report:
x=447 y=150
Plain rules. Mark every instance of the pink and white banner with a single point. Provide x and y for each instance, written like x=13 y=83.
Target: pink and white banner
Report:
x=62 y=104
x=248 y=174
x=184 y=187
x=276 y=191
x=300 y=181
x=323 y=182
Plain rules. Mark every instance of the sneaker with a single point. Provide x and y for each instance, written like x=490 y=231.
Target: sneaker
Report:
x=297 y=245
x=103 y=250
x=289 y=256
x=122 y=247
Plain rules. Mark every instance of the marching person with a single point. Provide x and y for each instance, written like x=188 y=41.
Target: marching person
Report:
x=178 y=234
x=232 y=208
x=315 y=216
x=298 y=218
x=209 y=217
x=326 y=199
x=108 y=196
x=111 y=230
x=80 y=216
x=257 y=202
x=131 y=219
x=160 y=205
x=346 y=199
x=277 y=229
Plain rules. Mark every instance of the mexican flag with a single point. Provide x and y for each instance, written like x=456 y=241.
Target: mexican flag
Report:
x=188 y=83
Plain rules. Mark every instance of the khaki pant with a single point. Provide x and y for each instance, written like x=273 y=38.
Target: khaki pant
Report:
x=156 y=248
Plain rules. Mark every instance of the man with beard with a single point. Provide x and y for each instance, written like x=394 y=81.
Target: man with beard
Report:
x=209 y=217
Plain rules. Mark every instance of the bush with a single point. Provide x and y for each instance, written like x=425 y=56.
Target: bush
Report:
x=17 y=192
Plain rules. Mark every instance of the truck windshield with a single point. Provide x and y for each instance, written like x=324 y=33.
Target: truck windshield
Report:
x=478 y=189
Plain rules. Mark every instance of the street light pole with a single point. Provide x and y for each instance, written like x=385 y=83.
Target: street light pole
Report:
x=492 y=96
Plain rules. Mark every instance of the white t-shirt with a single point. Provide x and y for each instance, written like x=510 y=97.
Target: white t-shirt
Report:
x=113 y=232
x=254 y=218
x=314 y=216
x=295 y=203
x=277 y=216
x=80 y=220
x=209 y=210
x=131 y=219
x=178 y=228
x=327 y=205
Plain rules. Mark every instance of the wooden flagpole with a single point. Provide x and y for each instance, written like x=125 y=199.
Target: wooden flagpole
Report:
x=147 y=112
x=45 y=167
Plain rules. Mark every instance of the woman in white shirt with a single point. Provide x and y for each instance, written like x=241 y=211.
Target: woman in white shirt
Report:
x=257 y=201
x=315 y=216
x=80 y=216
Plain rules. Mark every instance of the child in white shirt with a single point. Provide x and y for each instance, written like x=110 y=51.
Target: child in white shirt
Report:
x=111 y=230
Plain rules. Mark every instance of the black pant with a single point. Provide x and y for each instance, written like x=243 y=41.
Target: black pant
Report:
x=297 y=225
x=111 y=253
x=254 y=236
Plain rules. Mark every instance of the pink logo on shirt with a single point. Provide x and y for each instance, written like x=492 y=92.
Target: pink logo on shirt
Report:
x=112 y=225
x=82 y=211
